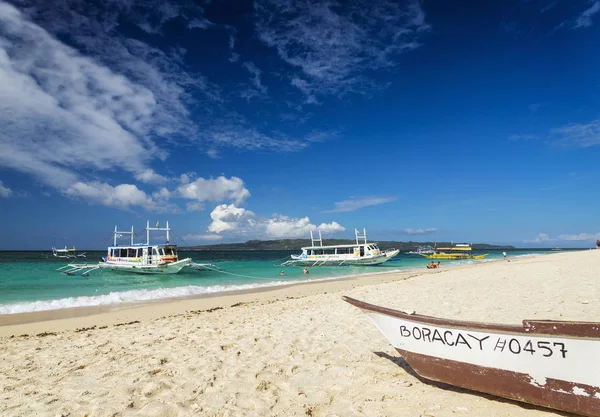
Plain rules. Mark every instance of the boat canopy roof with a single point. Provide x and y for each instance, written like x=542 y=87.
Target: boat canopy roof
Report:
x=351 y=245
x=143 y=245
x=458 y=248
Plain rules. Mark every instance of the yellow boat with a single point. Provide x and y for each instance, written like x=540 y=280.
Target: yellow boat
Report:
x=458 y=251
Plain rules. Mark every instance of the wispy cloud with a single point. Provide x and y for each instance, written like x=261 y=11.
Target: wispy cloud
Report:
x=577 y=237
x=49 y=90
x=5 y=192
x=585 y=18
x=237 y=222
x=428 y=231
x=582 y=135
x=202 y=237
x=331 y=43
x=259 y=89
x=354 y=204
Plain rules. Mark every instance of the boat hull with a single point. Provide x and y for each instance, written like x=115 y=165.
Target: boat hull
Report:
x=546 y=363
x=136 y=268
x=334 y=260
x=455 y=256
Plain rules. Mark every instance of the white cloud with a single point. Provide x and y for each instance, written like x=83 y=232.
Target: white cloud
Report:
x=583 y=135
x=150 y=177
x=580 y=237
x=194 y=206
x=5 y=191
x=585 y=18
x=236 y=221
x=239 y=135
x=331 y=43
x=48 y=90
x=420 y=231
x=162 y=194
x=259 y=89
x=229 y=217
x=541 y=237
x=287 y=227
x=201 y=237
x=122 y=196
x=217 y=189
x=357 y=203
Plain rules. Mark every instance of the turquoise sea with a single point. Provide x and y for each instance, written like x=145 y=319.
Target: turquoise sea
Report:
x=28 y=281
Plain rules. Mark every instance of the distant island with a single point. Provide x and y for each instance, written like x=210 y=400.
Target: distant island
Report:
x=296 y=244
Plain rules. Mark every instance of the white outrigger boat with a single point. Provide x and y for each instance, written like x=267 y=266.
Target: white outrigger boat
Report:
x=67 y=253
x=140 y=258
x=360 y=253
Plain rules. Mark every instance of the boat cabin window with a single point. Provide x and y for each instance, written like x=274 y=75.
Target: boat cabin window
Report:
x=170 y=251
x=131 y=252
x=154 y=252
x=160 y=251
x=123 y=253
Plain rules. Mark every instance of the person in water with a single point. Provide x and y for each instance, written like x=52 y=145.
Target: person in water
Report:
x=305 y=271
x=282 y=273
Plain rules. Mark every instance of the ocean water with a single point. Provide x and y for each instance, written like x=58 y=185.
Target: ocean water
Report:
x=29 y=282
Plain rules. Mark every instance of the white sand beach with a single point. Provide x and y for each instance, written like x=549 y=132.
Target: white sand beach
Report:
x=294 y=351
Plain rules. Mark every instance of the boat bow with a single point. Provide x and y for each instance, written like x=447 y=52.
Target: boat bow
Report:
x=548 y=363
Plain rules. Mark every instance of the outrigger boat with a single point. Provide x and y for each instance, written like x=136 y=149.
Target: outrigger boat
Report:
x=548 y=363
x=361 y=253
x=458 y=251
x=423 y=250
x=140 y=258
x=67 y=253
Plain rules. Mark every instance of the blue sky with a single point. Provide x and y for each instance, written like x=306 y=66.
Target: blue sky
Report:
x=235 y=120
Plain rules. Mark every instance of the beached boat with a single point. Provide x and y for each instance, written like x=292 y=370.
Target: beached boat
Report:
x=547 y=363
x=359 y=253
x=458 y=251
x=140 y=258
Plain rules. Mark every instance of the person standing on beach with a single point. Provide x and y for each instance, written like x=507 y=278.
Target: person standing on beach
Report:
x=504 y=254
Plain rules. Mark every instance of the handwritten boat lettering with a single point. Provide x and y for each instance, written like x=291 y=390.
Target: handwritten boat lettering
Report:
x=470 y=341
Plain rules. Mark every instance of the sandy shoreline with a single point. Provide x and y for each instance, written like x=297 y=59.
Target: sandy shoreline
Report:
x=297 y=350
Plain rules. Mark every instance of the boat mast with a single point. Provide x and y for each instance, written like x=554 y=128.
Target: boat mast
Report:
x=359 y=236
x=148 y=228
x=313 y=240
x=116 y=234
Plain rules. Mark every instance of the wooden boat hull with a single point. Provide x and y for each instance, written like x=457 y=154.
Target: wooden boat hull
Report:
x=547 y=363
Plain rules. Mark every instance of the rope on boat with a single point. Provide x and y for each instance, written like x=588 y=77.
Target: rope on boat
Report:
x=237 y=275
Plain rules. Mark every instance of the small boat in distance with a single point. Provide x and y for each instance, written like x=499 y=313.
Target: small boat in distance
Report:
x=543 y=362
x=423 y=250
x=67 y=253
x=360 y=253
x=556 y=249
x=455 y=252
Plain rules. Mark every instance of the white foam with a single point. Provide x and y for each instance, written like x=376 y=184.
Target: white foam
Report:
x=133 y=296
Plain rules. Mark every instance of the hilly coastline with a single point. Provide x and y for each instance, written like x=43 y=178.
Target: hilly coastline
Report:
x=296 y=244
